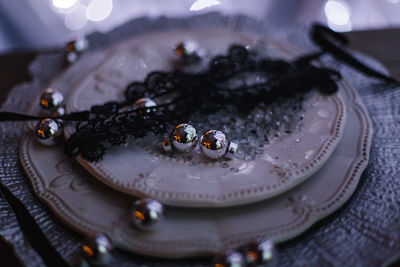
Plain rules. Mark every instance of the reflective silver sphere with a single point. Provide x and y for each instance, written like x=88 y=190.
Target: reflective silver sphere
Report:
x=77 y=45
x=231 y=258
x=102 y=243
x=187 y=48
x=48 y=129
x=144 y=103
x=184 y=137
x=214 y=144
x=51 y=99
x=147 y=213
x=97 y=250
x=260 y=252
x=166 y=143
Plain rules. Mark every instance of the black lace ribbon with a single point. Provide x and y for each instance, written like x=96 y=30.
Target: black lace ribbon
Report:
x=181 y=94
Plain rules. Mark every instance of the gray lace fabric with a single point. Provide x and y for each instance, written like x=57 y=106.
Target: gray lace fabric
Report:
x=364 y=232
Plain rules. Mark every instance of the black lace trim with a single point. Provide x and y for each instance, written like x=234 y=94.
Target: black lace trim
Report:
x=205 y=92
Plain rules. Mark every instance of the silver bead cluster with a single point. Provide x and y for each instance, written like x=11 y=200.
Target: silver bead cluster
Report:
x=258 y=253
x=184 y=137
x=213 y=143
x=52 y=103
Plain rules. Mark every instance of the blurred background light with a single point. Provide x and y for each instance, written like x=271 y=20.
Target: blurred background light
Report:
x=99 y=10
x=64 y=3
x=76 y=20
x=201 y=4
x=338 y=15
x=27 y=24
x=337 y=12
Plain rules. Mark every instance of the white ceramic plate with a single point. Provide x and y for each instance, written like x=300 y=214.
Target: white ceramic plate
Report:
x=89 y=207
x=140 y=170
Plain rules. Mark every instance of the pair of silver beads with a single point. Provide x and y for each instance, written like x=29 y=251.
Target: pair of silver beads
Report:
x=183 y=138
x=75 y=48
x=213 y=143
x=52 y=103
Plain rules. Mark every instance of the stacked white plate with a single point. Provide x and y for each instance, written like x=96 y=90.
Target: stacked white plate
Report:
x=210 y=207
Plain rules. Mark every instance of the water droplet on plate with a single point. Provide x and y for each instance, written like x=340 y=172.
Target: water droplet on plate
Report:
x=323 y=113
x=308 y=154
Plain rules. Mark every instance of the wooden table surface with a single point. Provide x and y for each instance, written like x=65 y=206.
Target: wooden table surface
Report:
x=383 y=45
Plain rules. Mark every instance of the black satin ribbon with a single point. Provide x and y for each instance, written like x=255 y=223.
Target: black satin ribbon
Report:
x=75 y=116
x=329 y=41
x=332 y=42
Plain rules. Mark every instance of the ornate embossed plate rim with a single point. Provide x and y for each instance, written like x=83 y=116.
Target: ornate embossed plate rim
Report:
x=244 y=195
x=305 y=219
x=309 y=217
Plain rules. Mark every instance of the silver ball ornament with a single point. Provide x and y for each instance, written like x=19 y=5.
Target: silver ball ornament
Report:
x=48 y=129
x=97 y=250
x=261 y=252
x=77 y=45
x=51 y=99
x=188 y=49
x=144 y=103
x=102 y=243
x=184 y=137
x=147 y=213
x=231 y=258
x=214 y=144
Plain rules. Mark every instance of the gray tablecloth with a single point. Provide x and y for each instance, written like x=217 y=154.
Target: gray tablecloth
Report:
x=364 y=232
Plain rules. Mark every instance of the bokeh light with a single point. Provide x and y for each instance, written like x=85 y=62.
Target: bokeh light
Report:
x=76 y=19
x=338 y=15
x=201 y=4
x=99 y=10
x=64 y=3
